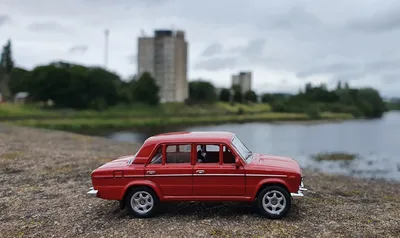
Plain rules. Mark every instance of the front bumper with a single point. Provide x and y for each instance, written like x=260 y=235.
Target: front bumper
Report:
x=92 y=192
x=299 y=193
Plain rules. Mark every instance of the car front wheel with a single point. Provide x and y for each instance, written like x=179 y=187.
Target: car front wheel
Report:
x=274 y=202
x=142 y=202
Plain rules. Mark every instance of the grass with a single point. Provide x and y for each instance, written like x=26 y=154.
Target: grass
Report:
x=139 y=116
x=14 y=111
x=86 y=123
x=337 y=156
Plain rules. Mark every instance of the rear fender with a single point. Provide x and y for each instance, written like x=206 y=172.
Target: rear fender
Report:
x=146 y=183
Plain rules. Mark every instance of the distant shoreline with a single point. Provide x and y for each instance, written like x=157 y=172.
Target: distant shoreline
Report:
x=71 y=124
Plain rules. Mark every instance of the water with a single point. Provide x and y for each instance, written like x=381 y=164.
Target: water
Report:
x=377 y=142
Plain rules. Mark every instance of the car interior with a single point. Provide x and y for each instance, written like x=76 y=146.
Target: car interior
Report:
x=206 y=153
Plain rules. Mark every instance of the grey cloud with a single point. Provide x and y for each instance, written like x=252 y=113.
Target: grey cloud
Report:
x=383 y=65
x=327 y=69
x=46 y=26
x=346 y=77
x=254 y=49
x=296 y=16
x=212 y=50
x=217 y=63
x=384 y=21
x=4 y=19
x=391 y=78
x=252 y=52
x=78 y=49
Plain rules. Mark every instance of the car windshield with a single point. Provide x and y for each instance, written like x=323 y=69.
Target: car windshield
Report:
x=131 y=159
x=245 y=153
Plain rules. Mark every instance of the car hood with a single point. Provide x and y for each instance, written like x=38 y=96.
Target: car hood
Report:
x=118 y=163
x=276 y=162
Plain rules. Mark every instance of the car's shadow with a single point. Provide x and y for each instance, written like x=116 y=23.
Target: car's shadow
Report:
x=201 y=210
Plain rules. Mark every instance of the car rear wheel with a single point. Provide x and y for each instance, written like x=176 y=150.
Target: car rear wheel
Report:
x=274 y=202
x=142 y=202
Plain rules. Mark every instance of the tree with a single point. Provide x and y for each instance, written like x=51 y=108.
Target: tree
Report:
x=6 y=66
x=19 y=80
x=74 y=86
x=267 y=98
x=102 y=87
x=370 y=102
x=237 y=93
x=146 y=90
x=339 y=85
x=202 y=91
x=225 y=95
x=250 y=96
x=6 y=62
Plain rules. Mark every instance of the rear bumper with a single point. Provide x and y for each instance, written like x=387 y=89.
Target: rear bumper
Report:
x=92 y=192
x=299 y=193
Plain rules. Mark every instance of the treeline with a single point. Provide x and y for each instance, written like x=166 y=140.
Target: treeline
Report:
x=394 y=104
x=363 y=102
x=312 y=100
x=79 y=87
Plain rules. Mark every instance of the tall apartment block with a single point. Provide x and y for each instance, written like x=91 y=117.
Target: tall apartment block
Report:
x=243 y=79
x=164 y=56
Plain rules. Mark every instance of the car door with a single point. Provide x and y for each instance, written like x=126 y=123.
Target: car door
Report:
x=218 y=179
x=171 y=169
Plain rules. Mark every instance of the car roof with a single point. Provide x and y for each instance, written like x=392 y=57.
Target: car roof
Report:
x=196 y=136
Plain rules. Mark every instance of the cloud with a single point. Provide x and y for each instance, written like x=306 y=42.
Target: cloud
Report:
x=46 y=26
x=336 y=68
x=4 y=19
x=217 y=63
x=380 y=21
x=231 y=58
x=212 y=49
x=390 y=79
x=78 y=49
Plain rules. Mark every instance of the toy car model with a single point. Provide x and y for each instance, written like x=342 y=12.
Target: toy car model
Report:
x=198 y=166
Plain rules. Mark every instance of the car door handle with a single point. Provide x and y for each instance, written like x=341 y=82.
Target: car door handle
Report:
x=200 y=171
x=151 y=172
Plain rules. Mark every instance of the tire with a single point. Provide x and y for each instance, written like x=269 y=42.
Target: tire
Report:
x=141 y=202
x=274 y=198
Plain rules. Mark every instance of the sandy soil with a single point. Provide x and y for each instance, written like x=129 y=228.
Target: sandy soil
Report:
x=44 y=177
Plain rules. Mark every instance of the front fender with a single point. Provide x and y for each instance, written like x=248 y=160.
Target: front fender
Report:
x=266 y=181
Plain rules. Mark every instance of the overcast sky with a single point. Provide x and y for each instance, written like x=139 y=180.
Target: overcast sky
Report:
x=284 y=43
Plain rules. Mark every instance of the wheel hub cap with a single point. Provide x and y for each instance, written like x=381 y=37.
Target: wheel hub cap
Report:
x=274 y=202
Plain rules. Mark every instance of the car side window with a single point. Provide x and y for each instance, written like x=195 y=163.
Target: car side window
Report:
x=207 y=153
x=157 y=158
x=227 y=156
x=178 y=154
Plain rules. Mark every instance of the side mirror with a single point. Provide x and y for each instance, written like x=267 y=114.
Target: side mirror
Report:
x=237 y=162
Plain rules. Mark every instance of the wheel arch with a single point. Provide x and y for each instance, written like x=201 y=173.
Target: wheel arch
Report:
x=270 y=182
x=143 y=183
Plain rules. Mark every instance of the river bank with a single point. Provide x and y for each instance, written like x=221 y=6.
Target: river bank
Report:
x=50 y=171
x=139 y=116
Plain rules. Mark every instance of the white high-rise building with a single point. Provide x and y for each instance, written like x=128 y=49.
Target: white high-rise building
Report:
x=164 y=56
x=243 y=79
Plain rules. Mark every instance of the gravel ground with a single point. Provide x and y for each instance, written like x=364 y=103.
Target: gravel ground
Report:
x=45 y=175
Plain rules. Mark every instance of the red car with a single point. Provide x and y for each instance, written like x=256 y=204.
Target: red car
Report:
x=198 y=166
